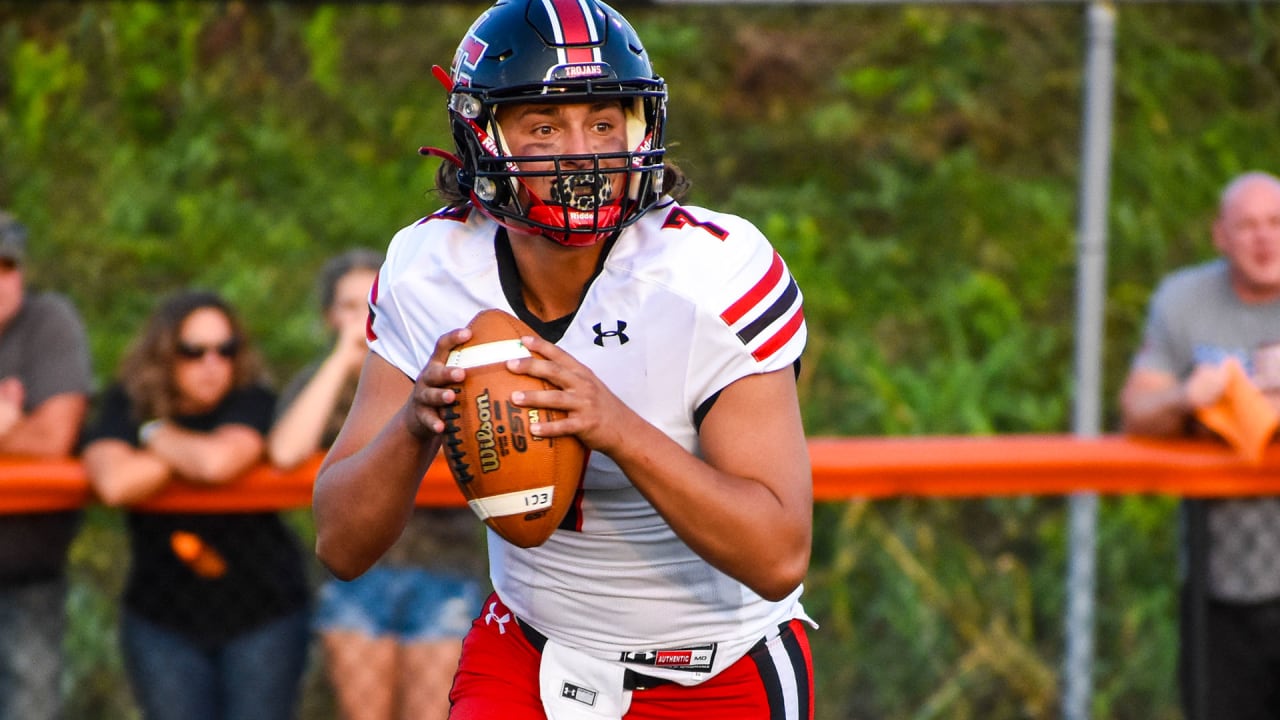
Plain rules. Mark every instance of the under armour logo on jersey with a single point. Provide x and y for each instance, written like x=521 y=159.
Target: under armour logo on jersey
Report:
x=502 y=619
x=601 y=333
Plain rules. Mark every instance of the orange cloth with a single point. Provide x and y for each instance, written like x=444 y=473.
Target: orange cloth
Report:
x=1242 y=416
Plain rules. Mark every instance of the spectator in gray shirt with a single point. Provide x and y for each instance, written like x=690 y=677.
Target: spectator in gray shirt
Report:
x=1201 y=317
x=45 y=381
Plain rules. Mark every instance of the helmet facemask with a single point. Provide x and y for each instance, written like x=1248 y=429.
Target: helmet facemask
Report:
x=590 y=196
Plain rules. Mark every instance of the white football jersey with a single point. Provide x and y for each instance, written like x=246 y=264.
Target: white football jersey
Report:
x=686 y=301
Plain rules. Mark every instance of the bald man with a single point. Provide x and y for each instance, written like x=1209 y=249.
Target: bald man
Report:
x=1201 y=318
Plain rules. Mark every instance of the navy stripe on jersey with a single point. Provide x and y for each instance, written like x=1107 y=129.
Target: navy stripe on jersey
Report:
x=771 y=681
x=780 y=338
x=750 y=307
x=771 y=314
x=784 y=672
x=800 y=664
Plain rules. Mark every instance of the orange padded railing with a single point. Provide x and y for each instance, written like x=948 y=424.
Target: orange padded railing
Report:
x=843 y=468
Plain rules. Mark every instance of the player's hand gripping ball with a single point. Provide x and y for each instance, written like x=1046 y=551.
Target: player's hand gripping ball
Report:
x=518 y=484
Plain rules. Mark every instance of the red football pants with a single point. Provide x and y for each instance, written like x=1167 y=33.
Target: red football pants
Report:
x=498 y=678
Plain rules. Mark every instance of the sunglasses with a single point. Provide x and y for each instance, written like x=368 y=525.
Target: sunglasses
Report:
x=227 y=350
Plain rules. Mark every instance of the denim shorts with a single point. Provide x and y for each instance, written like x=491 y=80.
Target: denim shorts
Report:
x=410 y=604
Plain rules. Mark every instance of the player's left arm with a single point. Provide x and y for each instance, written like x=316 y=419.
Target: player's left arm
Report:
x=745 y=506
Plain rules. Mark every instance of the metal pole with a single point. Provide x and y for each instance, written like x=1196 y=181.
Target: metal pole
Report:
x=1090 y=300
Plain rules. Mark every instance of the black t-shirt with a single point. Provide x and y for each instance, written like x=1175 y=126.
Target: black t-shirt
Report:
x=263 y=577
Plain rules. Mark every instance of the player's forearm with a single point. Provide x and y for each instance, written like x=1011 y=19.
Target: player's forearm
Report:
x=738 y=524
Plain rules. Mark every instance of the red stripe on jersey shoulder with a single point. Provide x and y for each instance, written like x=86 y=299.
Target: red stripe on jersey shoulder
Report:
x=780 y=338
x=742 y=305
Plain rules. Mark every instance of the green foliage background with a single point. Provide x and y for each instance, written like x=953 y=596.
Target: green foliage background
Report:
x=917 y=166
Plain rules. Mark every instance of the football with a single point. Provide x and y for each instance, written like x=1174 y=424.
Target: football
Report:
x=518 y=484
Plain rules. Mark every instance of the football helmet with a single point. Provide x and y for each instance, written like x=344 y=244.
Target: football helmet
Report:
x=567 y=50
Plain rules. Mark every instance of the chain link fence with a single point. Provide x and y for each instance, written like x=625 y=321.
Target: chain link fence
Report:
x=95 y=683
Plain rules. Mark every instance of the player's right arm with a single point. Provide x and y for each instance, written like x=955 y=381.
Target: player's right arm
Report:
x=365 y=489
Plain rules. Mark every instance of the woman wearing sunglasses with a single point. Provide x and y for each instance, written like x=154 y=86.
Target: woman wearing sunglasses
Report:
x=216 y=605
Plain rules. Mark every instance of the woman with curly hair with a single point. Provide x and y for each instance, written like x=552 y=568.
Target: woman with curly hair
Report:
x=216 y=606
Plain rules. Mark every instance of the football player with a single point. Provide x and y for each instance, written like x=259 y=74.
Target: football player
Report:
x=672 y=588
